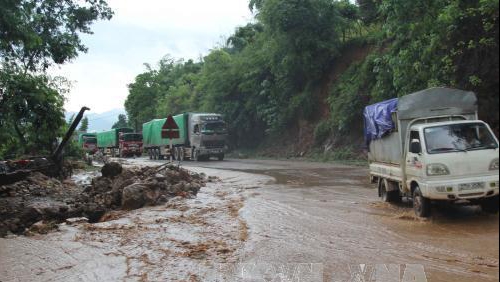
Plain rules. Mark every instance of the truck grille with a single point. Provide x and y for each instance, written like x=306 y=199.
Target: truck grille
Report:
x=214 y=144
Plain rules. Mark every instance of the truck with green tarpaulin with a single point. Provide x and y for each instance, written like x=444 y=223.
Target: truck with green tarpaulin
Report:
x=201 y=136
x=88 y=142
x=121 y=142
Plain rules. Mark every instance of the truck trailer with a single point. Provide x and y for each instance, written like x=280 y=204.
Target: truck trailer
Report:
x=201 y=136
x=122 y=142
x=431 y=146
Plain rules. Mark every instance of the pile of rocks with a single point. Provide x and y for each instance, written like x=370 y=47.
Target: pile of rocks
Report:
x=37 y=198
x=134 y=188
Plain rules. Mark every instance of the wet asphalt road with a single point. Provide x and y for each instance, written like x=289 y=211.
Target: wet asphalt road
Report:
x=329 y=215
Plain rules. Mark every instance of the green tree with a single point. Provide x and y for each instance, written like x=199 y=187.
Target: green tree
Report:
x=121 y=123
x=34 y=35
x=84 y=125
x=32 y=117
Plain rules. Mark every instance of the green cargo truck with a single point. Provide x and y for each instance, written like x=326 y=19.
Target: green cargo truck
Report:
x=121 y=142
x=88 y=142
x=201 y=136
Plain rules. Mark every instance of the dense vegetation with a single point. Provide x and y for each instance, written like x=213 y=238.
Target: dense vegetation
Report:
x=283 y=69
x=33 y=36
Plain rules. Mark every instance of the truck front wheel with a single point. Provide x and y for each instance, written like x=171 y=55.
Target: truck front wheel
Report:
x=421 y=205
x=490 y=205
x=220 y=157
x=195 y=155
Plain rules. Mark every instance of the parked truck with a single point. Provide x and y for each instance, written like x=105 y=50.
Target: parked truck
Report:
x=122 y=142
x=88 y=142
x=201 y=136
x=431 y=146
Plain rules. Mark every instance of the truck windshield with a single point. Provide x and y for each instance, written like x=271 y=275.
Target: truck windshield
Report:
x=132 y=137
x=90 y=140
x=459 y=138
x=218 y=127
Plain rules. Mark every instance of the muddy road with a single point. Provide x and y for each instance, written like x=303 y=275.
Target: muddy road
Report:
x=267 y=221
x=330 y=215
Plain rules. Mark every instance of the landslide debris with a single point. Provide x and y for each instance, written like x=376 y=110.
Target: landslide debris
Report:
x=39 y=198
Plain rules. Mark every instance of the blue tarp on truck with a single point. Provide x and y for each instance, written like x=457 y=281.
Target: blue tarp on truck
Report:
x=378 y=119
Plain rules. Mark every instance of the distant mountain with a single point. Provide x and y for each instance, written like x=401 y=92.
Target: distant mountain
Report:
x=100 y=122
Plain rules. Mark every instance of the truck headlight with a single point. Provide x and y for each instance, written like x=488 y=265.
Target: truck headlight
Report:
x=494 y=165
x=437 y=169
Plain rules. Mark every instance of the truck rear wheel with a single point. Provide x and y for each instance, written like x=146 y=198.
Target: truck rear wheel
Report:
x=388 y=196
x=421 y=205
x=490 y=205
x=176 y=154
x=220 y=157
x=181 y=154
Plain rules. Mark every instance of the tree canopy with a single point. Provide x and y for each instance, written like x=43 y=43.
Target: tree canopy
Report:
x=33 y=36
x=121 y=123
x=295 y=63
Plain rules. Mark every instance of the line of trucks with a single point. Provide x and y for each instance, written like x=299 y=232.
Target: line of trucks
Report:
x=430 y=146
x=201 y=136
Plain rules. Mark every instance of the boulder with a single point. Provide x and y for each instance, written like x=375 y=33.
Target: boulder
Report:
x=111 y=170
x=133 y=196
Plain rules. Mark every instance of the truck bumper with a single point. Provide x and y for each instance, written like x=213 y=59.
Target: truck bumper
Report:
x=211 y=152
x=462 y=189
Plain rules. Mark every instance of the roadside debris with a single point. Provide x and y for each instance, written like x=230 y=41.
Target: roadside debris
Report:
x=39 y=198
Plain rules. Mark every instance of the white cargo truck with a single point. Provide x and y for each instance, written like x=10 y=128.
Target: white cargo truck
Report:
x=430 y=146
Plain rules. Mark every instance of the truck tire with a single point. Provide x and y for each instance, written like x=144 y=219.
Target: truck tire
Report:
x=388 y=196
x=490 y=205
x=176 y=154
x=182 y=156
x=195 y=155
x=220 y=157
x=421 y=205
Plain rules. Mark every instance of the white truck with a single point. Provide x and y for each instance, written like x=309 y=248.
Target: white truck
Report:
x=430 y=146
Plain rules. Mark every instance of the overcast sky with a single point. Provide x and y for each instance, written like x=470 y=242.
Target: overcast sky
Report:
x=143 y=31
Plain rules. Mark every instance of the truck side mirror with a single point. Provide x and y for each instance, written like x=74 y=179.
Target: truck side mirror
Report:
x=415 y=147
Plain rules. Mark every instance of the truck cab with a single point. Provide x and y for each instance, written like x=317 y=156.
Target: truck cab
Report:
x=90 y=145
x=88 y=142
x=453 y=161
x=431 y=146
x=208 y=134
x=130 y=144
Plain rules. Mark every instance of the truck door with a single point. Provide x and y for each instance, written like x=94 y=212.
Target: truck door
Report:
x=414 y=160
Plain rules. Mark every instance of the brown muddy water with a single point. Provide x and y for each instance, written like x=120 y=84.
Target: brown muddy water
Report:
x=330 y=216
x=299 y=221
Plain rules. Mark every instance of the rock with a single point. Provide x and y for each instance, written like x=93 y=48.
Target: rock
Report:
x=151 y=196
x=42 y=227
x=160 y=177
x=77 y=220
x=111 y=170
x=133 y=196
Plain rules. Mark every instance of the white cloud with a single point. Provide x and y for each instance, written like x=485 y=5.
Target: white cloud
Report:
x=143 y=32
x=182 y=15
